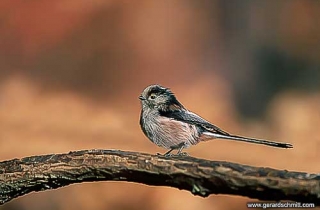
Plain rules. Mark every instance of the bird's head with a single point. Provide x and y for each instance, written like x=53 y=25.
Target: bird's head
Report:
x=159 y=97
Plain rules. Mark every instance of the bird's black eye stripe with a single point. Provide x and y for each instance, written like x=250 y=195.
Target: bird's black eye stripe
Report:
x=157 y=91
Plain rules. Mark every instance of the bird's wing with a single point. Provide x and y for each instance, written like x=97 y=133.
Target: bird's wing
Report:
x=192 y=118
x=212 y=130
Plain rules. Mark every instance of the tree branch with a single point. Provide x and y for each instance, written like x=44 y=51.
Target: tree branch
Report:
x=201 y=177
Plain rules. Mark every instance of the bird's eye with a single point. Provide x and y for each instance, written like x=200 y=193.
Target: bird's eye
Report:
x=152 y=96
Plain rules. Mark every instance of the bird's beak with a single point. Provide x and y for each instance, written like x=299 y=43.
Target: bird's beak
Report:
x=142 y=98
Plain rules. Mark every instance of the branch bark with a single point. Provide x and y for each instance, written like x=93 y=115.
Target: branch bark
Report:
x=201 y=177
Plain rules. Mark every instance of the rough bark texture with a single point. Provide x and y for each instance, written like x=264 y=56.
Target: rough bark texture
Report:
x=201 y=177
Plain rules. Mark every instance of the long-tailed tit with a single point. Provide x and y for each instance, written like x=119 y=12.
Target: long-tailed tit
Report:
x=166 y=122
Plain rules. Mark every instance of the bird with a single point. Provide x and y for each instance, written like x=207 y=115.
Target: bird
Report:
x=168 y=124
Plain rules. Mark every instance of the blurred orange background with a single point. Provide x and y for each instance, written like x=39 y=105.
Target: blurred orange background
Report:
x=71 y=73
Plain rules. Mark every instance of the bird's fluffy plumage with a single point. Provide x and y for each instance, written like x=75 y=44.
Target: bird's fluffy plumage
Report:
x=166 y=122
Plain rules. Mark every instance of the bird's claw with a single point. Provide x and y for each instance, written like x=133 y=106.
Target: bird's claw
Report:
x=165 y=155
x=183 y=154
x=169 y=155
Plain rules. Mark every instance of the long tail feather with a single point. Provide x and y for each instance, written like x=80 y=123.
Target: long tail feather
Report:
x=250 y=140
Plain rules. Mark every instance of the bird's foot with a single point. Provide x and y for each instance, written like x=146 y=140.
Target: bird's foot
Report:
x=165 y=155
x=169 y=155
x=182 y=154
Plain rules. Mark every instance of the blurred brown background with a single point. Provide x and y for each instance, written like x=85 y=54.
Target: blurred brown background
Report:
x=71 y=73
